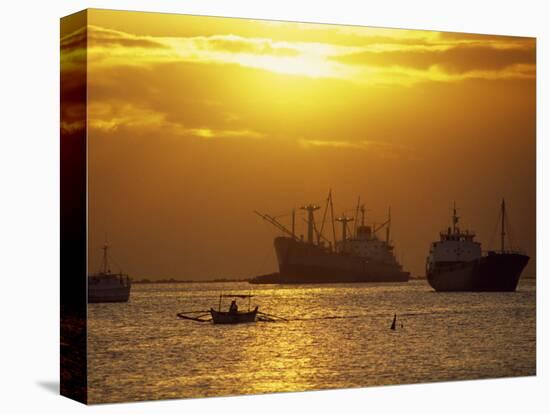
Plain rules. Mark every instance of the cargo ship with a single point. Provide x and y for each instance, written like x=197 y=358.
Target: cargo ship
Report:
x=359 y=256
x=456 y=262
x=105 y=286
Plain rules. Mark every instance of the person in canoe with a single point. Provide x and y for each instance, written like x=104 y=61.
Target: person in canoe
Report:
x=233 y=308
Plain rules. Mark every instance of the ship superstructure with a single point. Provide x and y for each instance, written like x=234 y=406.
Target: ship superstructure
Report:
x=365 y=242
x=456 y=261
x=359 y=255
x=454 y=247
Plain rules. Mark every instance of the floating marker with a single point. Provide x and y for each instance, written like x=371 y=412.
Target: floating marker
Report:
x=393 y=323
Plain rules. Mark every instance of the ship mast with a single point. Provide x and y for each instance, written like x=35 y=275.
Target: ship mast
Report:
x=502 y=227
x=332 y=219
x=293 y=223
x=387 y=224
x=455 y=217
x=388 y=227
x=310 y=208
x=320 y=232
x=105 y=260
x=344 y=220
x=357 y=208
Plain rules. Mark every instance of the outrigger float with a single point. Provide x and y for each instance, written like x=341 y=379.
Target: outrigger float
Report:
x=232 y=316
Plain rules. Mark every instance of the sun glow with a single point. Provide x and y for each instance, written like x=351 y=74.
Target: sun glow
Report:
x=300 y=65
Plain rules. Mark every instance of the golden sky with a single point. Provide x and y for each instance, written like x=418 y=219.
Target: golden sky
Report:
x=193 y=122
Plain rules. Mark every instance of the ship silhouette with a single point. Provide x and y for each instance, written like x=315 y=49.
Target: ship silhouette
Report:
x=456 y=261
x=106 y=286
x=359 y=256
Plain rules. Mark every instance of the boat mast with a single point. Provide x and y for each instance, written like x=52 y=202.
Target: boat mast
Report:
x=310 y=208
x=502 y=227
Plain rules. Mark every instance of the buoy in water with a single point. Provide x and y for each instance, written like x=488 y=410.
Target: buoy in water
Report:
x=394 y=321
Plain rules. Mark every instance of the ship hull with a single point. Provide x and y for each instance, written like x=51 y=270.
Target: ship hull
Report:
x=301 y=262
x=121 y=294
x=108 y=289
x=493 y=273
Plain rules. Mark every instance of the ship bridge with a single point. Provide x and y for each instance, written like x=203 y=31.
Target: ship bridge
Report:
x=454 y=245
x=365 y=242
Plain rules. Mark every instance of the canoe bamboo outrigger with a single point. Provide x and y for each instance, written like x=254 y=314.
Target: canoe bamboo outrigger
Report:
x=233 y=315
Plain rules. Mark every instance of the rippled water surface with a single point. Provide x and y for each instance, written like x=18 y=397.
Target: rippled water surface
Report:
x=140 y=350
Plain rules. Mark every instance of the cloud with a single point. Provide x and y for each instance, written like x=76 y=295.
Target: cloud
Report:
x=122 y=118
x=236 y=44
x=73 y=56
x=380 y=57
x=112 y=48
x=73 y=82
x=194 y=48
x=459 y=58
x=99 y=36
x=385 y=150
x=118 y=116
x=208 y=133
x=209 y=87
x=114 y=116
x=74 y=40
x=71 y=127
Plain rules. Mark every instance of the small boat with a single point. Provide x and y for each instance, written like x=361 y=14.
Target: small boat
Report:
x=105 y=286
x=233 y=315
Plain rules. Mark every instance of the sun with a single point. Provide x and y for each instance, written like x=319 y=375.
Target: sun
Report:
x=303 y=65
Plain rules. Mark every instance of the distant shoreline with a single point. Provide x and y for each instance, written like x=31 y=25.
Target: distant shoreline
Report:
x=229 y=280
x=149 y=281
x=219 y=280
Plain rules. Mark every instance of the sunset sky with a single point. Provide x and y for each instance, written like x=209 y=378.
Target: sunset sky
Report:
x=194 y=122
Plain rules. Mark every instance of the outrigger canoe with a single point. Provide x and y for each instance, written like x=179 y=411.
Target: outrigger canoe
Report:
x=233 y=315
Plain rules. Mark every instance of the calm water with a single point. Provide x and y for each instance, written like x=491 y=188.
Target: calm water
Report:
x=140 y=350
